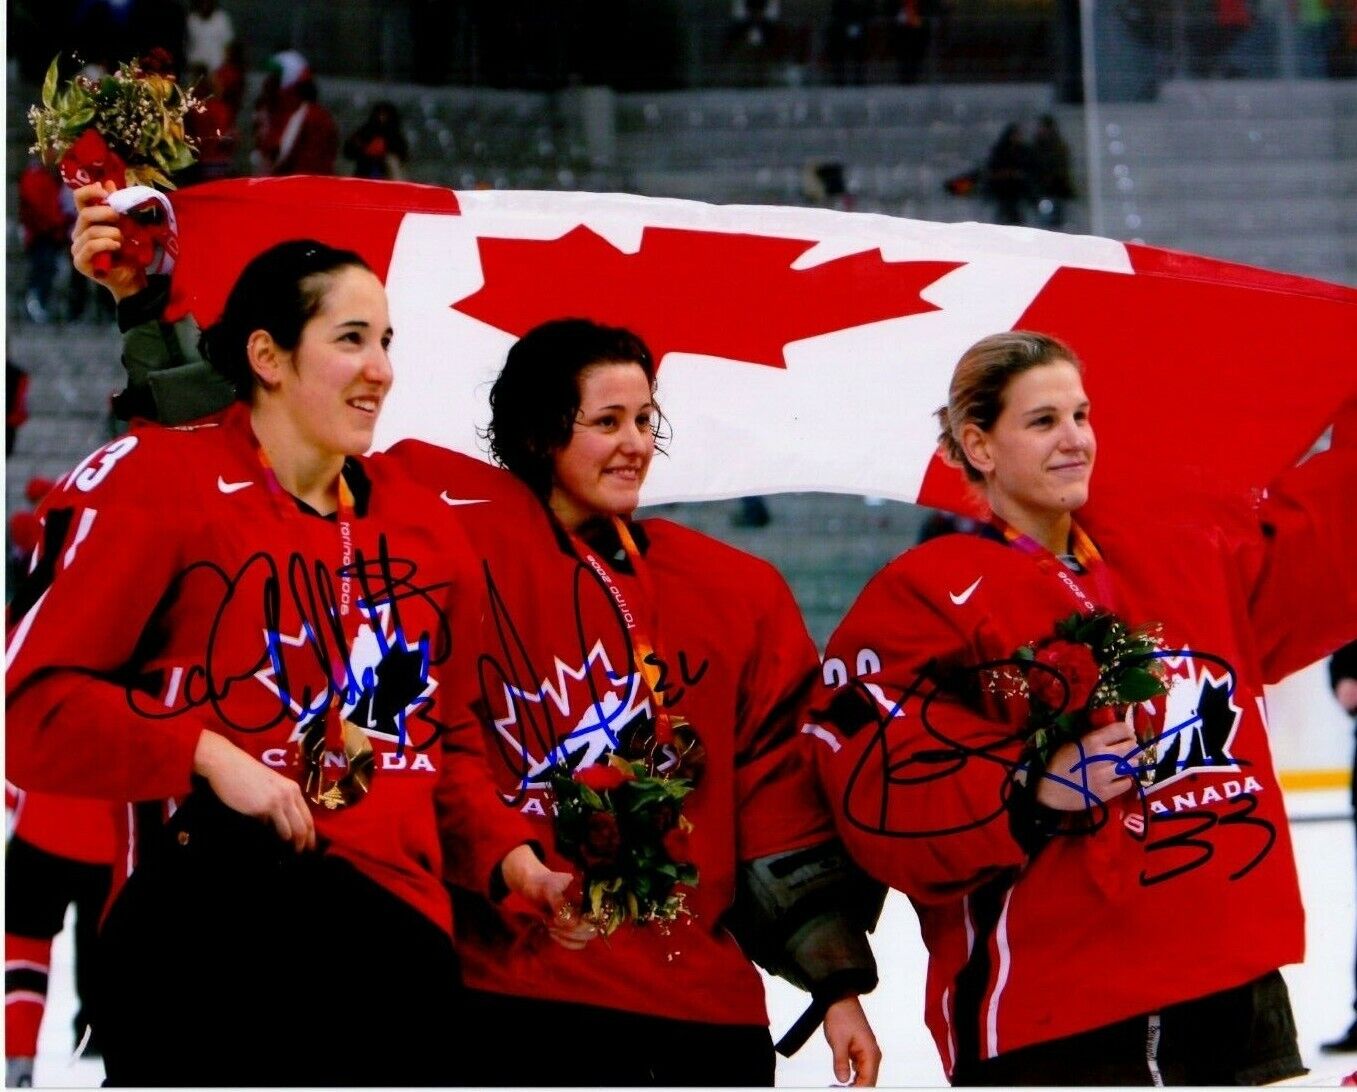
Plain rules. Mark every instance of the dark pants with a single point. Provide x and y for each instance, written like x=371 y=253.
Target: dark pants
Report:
x=39 y=886
x=530 y=1043
x=1241 y=1036
x=233 y=961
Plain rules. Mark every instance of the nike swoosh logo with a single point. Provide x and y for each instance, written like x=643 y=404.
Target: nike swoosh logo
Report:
x=959 y=600
x=231 y=487
x=454 y=501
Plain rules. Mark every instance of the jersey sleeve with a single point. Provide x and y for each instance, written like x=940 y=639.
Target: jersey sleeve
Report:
x=475 y=827
x=915 y=774
x=167 y=378
x=779 y=806
x=75 y=624
x=1297 y=558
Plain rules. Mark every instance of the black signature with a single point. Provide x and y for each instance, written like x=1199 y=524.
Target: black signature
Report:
x=536 y=728
x=868 y=807
x=252 y=600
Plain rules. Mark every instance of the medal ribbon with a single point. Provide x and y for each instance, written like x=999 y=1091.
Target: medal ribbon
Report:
x=350 y=618
x=1095 y=569
x=1085 y=553
x=643 y=651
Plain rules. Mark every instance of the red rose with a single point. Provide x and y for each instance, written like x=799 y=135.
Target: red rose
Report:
x=1071 y=665
x=158 y=62
x=602 y=839
x=601 y=777
x=676 y=845
x=90 y=159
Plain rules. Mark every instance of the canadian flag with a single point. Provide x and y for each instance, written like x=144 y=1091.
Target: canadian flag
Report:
x=805 y=349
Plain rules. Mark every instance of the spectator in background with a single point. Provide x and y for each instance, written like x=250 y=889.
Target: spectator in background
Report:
x=16 y=403
x=911 y=31
x=229 y=79
x=46 y=226
x=378 y=147
x=209 y=33
x=294 y=134
x=1008 y=175
x=1316 y=37
x=1053 y=183
x=1343 y=679
x=1234 y=22
x=823 y=183
x=212 y=128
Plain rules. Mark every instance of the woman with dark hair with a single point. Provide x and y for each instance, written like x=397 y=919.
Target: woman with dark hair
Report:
x=1109 y=905
x=611 y=635
x=265 y=642
x=609 y=627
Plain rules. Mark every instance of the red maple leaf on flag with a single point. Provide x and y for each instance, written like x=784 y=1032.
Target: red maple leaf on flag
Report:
x=714 y=293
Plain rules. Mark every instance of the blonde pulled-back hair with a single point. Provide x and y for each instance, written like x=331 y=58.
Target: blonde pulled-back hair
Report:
x=981 y=377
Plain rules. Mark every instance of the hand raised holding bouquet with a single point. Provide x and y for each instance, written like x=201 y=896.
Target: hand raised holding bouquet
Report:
x=124 y=130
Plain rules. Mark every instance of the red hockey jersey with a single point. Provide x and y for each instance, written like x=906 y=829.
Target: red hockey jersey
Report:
x=1188 y=886
x=559 y=678
x=68 y=826
x=176 y=591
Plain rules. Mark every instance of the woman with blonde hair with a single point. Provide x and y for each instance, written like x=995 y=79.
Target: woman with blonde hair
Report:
x=1106 y=899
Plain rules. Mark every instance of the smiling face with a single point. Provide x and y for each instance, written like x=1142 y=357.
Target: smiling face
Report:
x=330 y=388
x=1037 y=458
x=600 y=469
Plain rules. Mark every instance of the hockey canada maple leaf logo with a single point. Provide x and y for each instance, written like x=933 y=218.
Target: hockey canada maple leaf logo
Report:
x=712 y=293
x=391 y=683
x=577 y=716
x=1200 y=718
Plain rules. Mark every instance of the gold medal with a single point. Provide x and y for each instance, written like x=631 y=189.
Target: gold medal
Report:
x=342 y=780
x=681 y=756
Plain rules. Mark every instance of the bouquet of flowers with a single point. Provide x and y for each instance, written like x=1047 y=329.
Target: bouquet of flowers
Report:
x=1088 y=673
x=625 y=829
x=126 y=128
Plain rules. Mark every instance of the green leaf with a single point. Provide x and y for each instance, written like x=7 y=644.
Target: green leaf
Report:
x=1136 y=684
x=677 y=789
x=591 y=798
x=49 y=83
x=184 y=158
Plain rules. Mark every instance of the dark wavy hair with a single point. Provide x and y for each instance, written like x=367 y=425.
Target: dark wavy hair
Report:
x=981 y=377
x=279 y=291
x=536 y=397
